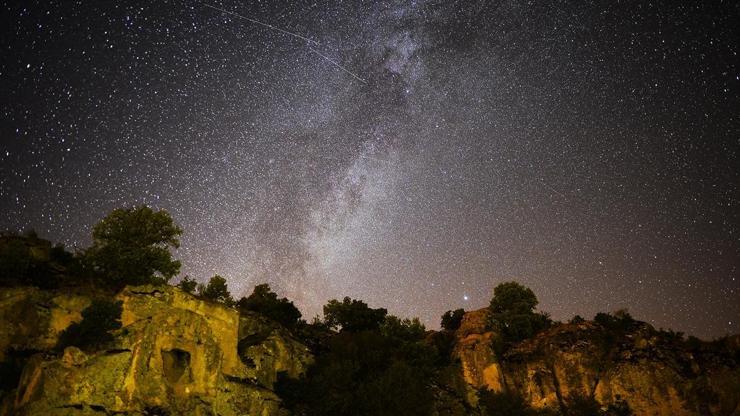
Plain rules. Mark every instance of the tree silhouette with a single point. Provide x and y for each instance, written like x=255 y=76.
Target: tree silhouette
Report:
x=132 y=246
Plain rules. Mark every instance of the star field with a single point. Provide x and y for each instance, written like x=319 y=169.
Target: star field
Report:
x=410 y=154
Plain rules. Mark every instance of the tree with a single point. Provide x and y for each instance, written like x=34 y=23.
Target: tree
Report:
x=188 y=285
x=364 y=373
x=216 y=290
x=451 y=320
x=514 y=298
x=512 y=313
x=264 y=301
x=94 y=331
x=402 y=329
x=353 y=315
x=578 y=319
x=132 y=246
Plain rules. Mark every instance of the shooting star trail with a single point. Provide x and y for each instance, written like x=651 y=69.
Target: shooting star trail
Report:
x=295 y=35
x=267 y=25
x=338 y=66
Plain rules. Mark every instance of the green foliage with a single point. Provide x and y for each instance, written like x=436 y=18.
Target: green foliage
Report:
x=132 y=246
x=578 y=319
x=620 y=321
x=378 y=364
x=264 y=301
x=353 y=315
x=451 y=320
x=402 y=329
x=513 y=298
x=188 y=285
x=94 y=331
x=216 y=290
x=364 y=373
x=512 y=314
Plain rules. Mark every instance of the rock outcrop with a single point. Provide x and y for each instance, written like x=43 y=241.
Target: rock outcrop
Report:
x=652 y=375
x=175 y=354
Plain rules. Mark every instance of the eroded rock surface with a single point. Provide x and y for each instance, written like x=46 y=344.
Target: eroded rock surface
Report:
x=175 y=354
x=653 y=376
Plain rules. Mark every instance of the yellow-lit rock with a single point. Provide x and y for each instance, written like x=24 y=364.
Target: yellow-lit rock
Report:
x=32 y=319
x=176 y=354
x=564 y=361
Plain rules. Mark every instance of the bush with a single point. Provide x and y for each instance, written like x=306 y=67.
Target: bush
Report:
x=216 y=290
x=402 y=329
x=451 y=320
x=131 y=246
x=364 y=373
x=93 y=332
x=353 y=315
x=619 y=321
x=188 y=285
x=264 y=301
x=512 y=314
x=578 y=319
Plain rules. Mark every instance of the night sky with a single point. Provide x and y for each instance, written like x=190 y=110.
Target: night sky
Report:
x=410 y=154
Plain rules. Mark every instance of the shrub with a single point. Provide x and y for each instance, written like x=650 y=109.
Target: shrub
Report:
x=216 y=290
x=353 y=315
x=402 y=329
x=94 y=330
x=578 y=319
x=363 y=373
x=512 y=314
x=619 y=321
x=264 y=301
x=451 y=320
x=188 y=285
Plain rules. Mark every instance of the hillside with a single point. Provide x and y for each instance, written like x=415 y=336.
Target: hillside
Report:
x=176 y=354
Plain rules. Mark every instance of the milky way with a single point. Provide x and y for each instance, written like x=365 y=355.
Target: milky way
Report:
x=411 y=154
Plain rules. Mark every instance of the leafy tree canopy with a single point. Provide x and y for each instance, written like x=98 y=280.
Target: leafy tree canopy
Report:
x=364 y=373
x=403 y=329
x=353 y=315
x=264 y=301
x=512 y=314
x=513 y=298
x=216 y=290
x=188 y=285
x=132 y=246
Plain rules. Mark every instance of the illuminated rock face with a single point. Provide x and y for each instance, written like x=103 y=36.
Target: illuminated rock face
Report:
x=32 y=319
x=175 y=354
x=654 y=378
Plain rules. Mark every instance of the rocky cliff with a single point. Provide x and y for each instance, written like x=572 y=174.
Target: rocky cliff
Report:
x=643 y=367
x=175 y=354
